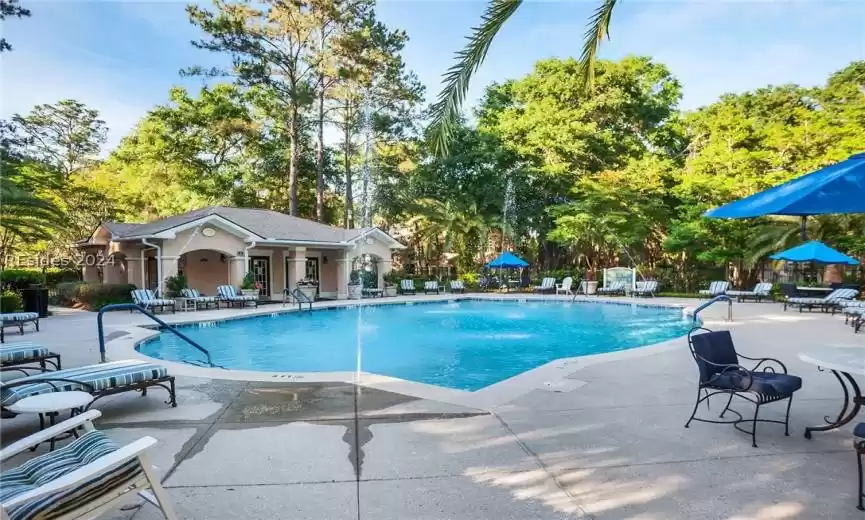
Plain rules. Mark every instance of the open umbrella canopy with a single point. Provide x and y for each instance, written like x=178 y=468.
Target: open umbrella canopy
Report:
x=508 y=260
x=814 y=251
x=839 y=188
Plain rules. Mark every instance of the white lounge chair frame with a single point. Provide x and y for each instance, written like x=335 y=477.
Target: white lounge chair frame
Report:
x=125 y=493
x=565 y=286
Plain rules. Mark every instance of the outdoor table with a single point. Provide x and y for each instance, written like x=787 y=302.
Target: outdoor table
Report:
x=51 y=404
x=185 y=304
x=843 y=362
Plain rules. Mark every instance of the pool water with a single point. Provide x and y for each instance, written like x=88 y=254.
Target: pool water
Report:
x=468 y=344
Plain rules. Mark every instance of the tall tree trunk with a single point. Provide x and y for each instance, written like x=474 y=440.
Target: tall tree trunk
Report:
x=348 y=220
x=293 y=136
x=319 y=159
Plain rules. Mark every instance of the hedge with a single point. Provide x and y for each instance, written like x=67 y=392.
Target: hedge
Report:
x=10 y=301
x=93 y=296
x=18 y=279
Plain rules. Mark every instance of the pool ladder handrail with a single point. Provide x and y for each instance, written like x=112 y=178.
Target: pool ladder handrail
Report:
x=299 y=297
x=716 y=299
x=142 y=310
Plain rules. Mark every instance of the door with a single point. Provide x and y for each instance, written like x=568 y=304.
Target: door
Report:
x=150 y=274
x=312 y=272
x=259 y=266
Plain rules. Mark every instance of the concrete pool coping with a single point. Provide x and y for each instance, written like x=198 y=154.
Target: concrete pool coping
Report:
x=547 y=376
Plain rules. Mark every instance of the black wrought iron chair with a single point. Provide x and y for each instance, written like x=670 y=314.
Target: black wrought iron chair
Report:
x=721 y=373
x=859 y=446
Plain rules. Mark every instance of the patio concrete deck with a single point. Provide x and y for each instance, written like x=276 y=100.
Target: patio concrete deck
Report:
x=608 y=443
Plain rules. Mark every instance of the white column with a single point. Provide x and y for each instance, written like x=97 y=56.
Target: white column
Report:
x=167 y=270
x=384 y=266
x=236 y=270
x=343 y=266
x=296 y=268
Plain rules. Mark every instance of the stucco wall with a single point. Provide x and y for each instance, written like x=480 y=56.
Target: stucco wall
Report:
x=206 y=275
x=192 y=240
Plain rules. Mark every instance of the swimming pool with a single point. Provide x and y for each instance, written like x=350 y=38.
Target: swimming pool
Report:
x=466 y=344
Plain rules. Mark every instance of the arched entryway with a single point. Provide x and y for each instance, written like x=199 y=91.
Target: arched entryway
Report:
x=205 y=269
x=366 y=267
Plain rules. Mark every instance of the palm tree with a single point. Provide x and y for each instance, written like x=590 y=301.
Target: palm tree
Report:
x=448 y=226
x=446 y=110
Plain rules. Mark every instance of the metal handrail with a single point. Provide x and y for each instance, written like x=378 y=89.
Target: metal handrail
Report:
x=299 y=297
x=719 y=298
x=142 y=310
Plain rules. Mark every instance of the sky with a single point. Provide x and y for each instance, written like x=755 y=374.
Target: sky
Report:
x=122 y=57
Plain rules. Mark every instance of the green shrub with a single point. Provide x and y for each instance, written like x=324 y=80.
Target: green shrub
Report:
x=174 y=285
x=66 y=293
x=471 y=280
x=10 y=301
x=94 y=296
x=17 y=279
x=54 y=276
x=248 y=281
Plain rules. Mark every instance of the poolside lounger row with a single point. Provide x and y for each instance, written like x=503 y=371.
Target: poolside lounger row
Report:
x=548 y=285
x=100 y=380
x=760 y=291
x=21 y=356
x=716 y=288
x=829 y=302
x=147 y=299
x=612 y=289
x=229 y=294
x=17 y=319
x=200 y=300
x=645 y=288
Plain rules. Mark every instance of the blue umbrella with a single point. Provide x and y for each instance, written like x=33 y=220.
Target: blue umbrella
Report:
x=839 y=188
x=814 y=251
x=508 y=260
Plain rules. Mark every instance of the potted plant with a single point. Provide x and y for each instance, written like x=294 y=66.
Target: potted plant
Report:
x=174 y=285
x=355 y=287
x=308 y=287
x=390 y=281
x=249 y=287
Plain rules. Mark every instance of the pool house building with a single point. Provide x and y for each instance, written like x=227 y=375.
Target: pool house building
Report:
x=218 y=245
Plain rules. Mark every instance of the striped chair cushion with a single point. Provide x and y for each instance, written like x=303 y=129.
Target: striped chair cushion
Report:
x=190 y=293
x=51 y=466
x=15 y=317
x=407 y=285
x=100 y=377
x=431 y=285
x=457 y=284
x=615 y=287
x=21 y=351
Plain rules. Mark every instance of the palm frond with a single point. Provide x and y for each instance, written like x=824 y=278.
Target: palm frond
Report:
x=446 y=110
x=598 y=29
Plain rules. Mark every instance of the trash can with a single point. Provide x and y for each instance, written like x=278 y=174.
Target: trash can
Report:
x=36 y=300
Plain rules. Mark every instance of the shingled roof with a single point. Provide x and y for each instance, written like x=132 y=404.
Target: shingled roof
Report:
x=264 y=223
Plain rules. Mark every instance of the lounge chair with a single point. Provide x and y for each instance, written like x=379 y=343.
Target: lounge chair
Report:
x=645 y=288
x=715 y=289
x=458 y=286
x=407 y=286
x=548 y=285
x=565 y=286
x=17 y=319
x=199 y=299
x=430 y=286
x=229 y=295
x=829 y=302
x=613 y=289
x=760 y=291
x=100 y=380
x=19 y=356
x=859 y=446
x=83 y=479
x=721 y=373
x=145 y=298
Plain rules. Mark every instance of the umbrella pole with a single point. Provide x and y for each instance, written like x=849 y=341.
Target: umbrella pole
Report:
x=802 y=228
